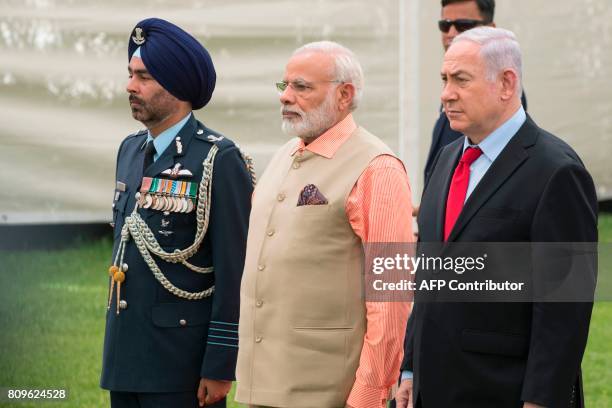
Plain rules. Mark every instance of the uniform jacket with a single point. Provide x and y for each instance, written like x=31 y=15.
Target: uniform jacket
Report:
x=160 y=342
x=500 y=354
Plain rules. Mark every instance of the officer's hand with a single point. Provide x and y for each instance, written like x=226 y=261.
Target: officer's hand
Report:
x=403 y=398
x=211 y=391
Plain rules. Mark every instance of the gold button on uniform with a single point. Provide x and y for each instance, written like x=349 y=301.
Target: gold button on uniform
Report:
x=270 y=232
x=258 y=339
x=296 y=165
x=183 y=322
x=261 y=267
x=259 y=303
x=280 y=197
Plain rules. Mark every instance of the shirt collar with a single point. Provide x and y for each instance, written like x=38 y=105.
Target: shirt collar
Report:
x=493 y=144
x=163 y=140
x=329 y=142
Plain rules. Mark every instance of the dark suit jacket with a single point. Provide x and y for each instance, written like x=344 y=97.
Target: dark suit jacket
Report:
x=146 y=348
x=443 y=135
x=500 y=354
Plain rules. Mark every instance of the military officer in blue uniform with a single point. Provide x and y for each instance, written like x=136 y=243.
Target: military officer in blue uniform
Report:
x=180 y=216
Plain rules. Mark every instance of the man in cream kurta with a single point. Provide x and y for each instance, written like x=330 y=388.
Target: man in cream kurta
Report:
x=308 y=337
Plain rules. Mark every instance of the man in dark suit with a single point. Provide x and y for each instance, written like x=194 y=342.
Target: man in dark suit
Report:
x=180 y=215
x=506 y=180
x=457 y=16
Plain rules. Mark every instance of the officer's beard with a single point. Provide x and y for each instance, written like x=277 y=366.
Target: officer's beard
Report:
x=156 y=110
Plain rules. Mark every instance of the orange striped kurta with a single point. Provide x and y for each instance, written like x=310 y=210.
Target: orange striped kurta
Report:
x=379 y=209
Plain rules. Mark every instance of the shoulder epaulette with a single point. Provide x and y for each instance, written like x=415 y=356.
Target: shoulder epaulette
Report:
x=135 y=135
x=210 y=136
x=138 y=133
x=222 y=142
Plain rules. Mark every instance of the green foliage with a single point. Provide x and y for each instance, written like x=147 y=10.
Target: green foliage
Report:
x=597 y=374
x=52 y=317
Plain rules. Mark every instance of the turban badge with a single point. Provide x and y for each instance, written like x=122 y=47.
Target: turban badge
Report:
x=138 y=37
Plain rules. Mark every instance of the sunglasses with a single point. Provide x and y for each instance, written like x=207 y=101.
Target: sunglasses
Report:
x=461 y=25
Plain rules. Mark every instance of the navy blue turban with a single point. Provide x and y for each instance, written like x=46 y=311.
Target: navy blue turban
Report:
x=175 y=59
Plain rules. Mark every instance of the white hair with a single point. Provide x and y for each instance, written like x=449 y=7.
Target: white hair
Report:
x=499 y=49
x=347 y=67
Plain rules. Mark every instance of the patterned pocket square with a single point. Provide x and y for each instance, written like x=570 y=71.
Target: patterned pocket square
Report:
x=311 y=195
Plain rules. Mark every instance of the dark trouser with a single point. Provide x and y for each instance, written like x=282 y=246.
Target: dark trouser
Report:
x=158 y=400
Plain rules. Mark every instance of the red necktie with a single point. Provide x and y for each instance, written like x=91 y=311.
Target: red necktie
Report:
x=458 y=188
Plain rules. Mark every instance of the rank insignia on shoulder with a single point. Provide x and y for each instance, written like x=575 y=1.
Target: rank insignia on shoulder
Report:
x=215 y=138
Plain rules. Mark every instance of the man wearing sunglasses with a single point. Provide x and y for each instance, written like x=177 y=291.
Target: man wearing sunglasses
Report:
x=457 y=16
x=462 y=15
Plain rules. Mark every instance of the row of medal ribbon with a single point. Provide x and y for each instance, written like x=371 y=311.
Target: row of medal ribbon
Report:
x=167 y=195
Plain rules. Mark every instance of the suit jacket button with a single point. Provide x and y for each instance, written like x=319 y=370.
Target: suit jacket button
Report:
x=183 y=322
x=259 y=303
x=280 y=197
x=258 y=339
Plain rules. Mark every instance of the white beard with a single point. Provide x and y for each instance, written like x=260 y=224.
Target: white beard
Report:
x=312 y=124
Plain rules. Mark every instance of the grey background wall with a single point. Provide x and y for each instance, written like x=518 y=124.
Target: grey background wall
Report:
x=63 y=107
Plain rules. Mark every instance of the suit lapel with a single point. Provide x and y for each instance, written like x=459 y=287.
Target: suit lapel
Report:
x=169 y=157
x=444 y=175
x=511 y=157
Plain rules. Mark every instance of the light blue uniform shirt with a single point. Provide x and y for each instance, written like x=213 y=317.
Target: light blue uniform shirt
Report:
x=491 y=147
x=163 y=140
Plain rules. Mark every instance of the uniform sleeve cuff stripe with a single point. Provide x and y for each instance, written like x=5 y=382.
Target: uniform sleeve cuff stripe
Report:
x=229 y=324
x=222 y=344
x=223 y=337
x=223 y=330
